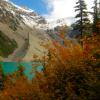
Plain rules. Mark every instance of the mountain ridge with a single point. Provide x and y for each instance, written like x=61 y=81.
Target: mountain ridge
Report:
x=17 y=23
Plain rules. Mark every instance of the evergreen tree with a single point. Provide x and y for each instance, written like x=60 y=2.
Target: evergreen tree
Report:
x=96 y=15
x=82 y=22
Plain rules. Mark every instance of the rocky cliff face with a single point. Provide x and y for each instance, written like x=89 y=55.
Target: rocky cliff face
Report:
x=25 y=27
x=15 y=16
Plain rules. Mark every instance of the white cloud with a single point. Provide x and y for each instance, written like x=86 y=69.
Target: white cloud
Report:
x=62 y=9
x=6 y=0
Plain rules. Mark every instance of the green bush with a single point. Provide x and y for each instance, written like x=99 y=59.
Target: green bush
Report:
x=7 y=46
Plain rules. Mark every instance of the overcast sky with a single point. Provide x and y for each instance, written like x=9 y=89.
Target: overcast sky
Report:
x=53 y=9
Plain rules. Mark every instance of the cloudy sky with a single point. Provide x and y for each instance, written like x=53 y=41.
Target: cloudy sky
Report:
x=53 y=9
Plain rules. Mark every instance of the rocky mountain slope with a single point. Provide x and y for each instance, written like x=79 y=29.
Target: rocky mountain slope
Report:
x=26 y=28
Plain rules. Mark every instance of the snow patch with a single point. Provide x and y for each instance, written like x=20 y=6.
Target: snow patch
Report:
x=28 y=21
x=21 y=8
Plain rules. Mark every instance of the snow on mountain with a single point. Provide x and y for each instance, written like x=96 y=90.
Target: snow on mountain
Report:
x=18 y=7
x=28 y=16
x=24 y=26
x=60 y=22
x=28 y=21
x=32 y=19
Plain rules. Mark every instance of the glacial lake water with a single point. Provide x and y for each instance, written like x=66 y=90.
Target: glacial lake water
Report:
x=11 y=67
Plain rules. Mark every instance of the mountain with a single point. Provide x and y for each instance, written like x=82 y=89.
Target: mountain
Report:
x=22 y=31
x=60 y=22
x=20 y=15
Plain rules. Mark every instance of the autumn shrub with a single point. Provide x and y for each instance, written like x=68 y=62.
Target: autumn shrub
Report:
x=70 y=73
x=18 y=87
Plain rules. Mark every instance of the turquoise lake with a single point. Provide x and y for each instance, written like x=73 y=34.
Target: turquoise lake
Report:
x=10 y=67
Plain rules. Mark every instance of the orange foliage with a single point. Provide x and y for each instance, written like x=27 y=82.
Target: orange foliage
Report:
x=71 y=73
